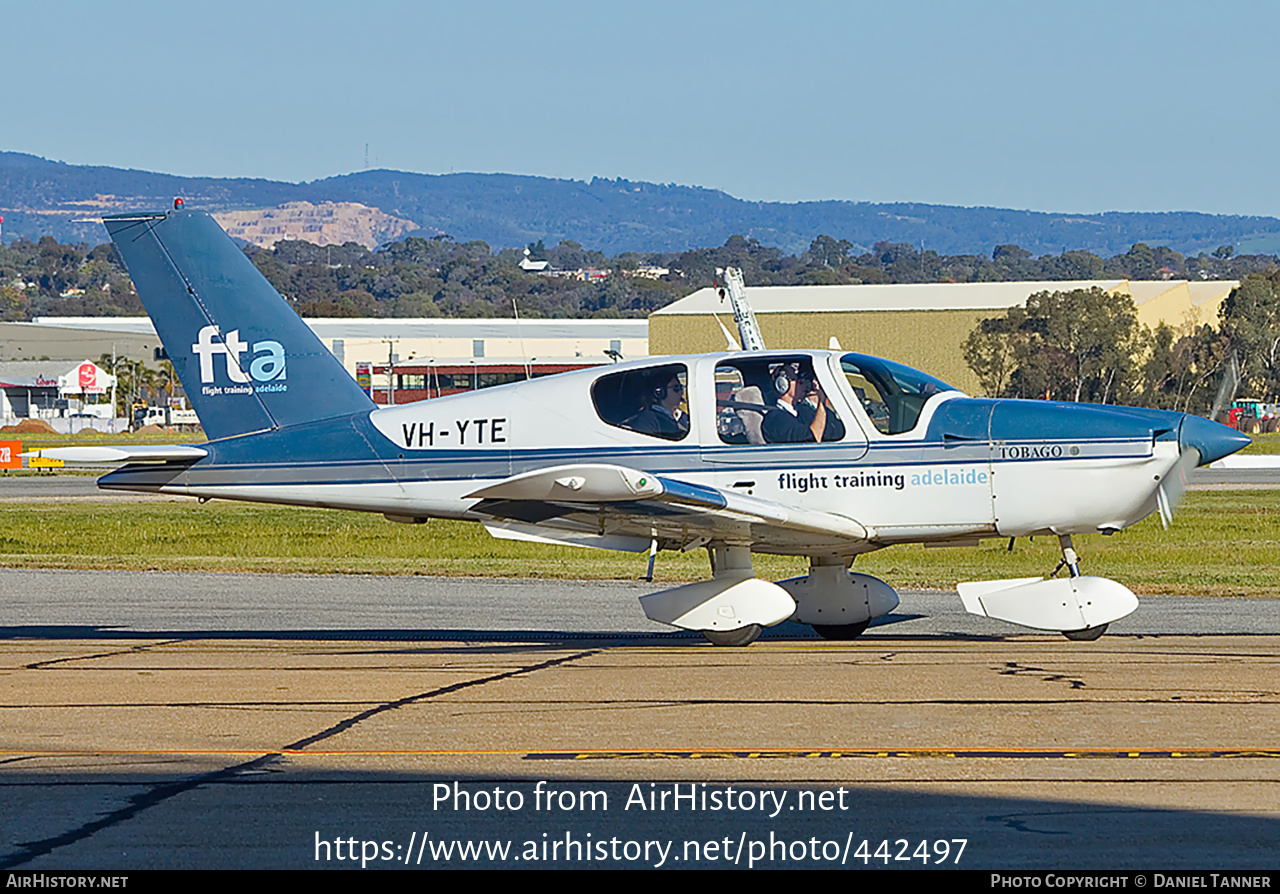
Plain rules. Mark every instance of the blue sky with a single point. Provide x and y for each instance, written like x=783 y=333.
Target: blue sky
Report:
x=1082 y=106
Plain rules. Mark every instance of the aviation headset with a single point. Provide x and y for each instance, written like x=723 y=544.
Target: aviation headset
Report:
x=786 y=374
x=660 y=389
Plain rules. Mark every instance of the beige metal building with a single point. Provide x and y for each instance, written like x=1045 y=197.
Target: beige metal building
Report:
x=922 y=325
x=354 y=340
x=63 y=338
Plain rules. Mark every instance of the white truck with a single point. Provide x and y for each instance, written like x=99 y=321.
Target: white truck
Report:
x=164 y=417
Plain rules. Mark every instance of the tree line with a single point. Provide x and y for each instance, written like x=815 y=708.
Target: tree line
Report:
x=1068 y=345
x=418 y=277
x=1085 y=345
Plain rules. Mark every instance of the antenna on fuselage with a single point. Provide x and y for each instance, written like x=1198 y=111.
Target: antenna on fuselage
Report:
x=730 y=344
x=524 y=358
x=729 y=282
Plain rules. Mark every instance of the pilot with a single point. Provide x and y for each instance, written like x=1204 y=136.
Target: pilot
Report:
x=661 y=415
x=802 y=413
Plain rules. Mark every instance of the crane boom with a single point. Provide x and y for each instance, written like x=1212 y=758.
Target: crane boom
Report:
x=729 y=281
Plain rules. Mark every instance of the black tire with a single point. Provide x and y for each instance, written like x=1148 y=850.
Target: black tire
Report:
x=743 y=636
x=1088 y=635
x=841 y=632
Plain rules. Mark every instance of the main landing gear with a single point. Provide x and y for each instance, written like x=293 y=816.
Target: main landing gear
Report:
x=731 y=609
x=841 y=632
x=734 y=606
x=839 y=604
x=743 y=636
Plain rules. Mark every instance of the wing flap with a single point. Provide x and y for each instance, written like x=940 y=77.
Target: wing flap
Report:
x=563 y=537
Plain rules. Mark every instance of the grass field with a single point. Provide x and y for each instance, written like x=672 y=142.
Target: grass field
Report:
x=1221 y=543
x=1268 y=443
x=91 y=438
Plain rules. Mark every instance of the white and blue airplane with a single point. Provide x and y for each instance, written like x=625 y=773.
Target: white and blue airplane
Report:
x=824 y=454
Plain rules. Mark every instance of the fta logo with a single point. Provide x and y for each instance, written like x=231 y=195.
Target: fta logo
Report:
x=266 y=363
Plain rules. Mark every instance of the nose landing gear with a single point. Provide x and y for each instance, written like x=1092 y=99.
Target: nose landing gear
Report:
x=1071 y=561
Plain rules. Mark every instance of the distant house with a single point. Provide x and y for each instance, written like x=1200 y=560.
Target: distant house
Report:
x=528 y=265
x=582 y=274
x=646 y=271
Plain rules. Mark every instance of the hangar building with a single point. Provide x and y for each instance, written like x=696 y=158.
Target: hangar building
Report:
x=923 y=325
x=451 y=354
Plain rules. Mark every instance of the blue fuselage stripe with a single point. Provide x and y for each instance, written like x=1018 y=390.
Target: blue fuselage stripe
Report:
x=471 y=465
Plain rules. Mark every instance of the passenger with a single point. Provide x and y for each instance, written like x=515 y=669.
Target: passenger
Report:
x=802 y=413
x=661 y=416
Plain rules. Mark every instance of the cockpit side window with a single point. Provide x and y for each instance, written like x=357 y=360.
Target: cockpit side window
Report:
x=651 y=401
x=892 y=394
x=773 y=401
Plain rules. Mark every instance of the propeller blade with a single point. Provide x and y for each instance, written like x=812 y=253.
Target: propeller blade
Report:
x=1227 y=388
x=1169 y=493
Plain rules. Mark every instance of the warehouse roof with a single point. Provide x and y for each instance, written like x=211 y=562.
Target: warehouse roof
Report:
x=401 y=327
x=929 y=296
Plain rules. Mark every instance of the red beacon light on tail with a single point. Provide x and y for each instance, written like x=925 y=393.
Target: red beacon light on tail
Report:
x=177 y=204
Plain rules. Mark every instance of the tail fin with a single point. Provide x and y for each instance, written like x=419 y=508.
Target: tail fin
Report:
x=246 y=360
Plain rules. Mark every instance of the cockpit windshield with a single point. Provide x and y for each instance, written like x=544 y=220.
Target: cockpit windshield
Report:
x=892 y=394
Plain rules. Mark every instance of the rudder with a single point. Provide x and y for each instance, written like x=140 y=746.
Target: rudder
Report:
x=246 y=360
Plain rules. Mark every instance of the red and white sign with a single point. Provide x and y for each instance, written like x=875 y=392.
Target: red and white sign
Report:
x=87 y=378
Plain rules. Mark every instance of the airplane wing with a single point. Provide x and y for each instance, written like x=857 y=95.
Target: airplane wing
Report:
x=614 y=507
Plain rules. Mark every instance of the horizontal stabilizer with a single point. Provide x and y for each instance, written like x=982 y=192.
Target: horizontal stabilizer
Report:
x=142 y=453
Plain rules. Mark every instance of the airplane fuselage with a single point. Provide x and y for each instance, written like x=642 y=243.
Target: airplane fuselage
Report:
x=966 y=469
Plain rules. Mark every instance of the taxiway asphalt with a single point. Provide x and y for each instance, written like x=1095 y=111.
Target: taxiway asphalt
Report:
x=188 y=720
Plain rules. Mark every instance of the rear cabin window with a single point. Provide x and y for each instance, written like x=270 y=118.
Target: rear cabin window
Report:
x=651 y=401
x=892 y=394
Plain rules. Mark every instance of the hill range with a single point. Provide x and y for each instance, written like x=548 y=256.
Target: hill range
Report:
x=39 y=197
